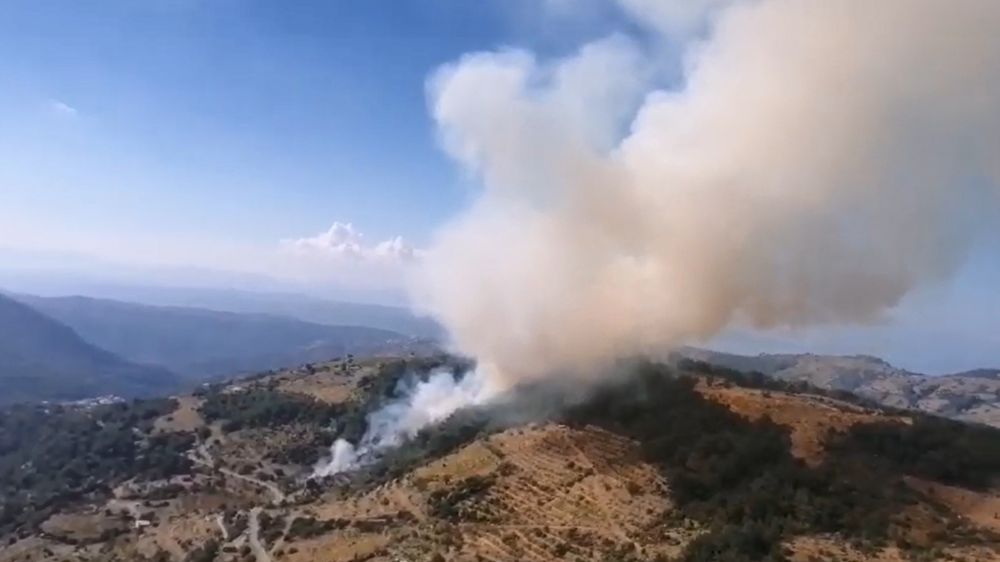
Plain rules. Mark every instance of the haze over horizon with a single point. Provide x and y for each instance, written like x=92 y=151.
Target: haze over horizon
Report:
x=235 y=145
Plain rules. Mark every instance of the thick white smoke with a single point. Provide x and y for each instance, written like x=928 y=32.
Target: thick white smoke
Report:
x=819 y=160
x=421 y=403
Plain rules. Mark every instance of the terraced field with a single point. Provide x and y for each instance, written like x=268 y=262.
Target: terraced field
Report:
x=536 y=493
x=550 y=490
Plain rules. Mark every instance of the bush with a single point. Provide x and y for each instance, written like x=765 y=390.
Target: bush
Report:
x=458 y=502
x=261 y=407
x=205 y=553
x=932 y=448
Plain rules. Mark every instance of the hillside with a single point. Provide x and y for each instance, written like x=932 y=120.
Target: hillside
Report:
x=41 y=359
x=202 y=343
x=660 y=465
x=969 y=396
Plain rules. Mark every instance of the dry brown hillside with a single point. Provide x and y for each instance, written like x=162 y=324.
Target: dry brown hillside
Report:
x=609 y=480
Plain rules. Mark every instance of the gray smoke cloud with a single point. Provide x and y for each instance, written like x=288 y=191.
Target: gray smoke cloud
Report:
x=818 y=161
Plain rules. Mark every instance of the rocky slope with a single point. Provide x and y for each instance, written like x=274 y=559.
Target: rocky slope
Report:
x=969 y=396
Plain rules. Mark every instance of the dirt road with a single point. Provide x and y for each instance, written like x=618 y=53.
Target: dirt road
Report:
x=253 y=535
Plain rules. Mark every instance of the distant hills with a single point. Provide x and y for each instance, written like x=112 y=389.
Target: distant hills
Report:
x=65 y=348
x=204 y=343
x=77 y=347
x=969 y=396
x=43 y=359
x=293 y=305
x=301 y=307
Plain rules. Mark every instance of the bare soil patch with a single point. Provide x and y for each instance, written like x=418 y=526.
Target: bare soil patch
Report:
x=184 y=418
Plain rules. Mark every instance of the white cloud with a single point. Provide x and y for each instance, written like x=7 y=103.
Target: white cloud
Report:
x=342 y=240
x=62 y=108
x=395 y=249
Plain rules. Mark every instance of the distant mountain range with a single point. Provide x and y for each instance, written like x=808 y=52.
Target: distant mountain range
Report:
x=206 y=343
x=969 y=396
x=78 y=347
x=289 y=304
x=43 y=359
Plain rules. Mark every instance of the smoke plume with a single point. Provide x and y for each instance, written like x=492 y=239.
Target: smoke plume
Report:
x=420 y=403
x=817 y=160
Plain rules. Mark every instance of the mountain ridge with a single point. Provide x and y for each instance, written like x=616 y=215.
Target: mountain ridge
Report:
x=968 y=395
x=202 y=343
x=304 y=307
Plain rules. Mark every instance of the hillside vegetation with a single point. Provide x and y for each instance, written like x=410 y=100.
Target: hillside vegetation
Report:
x=688 y=463
x=54 y=456
x=968 y=396
x=741 y=481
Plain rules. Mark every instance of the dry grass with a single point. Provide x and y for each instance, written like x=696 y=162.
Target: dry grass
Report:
x=82 y=526
x=35 y=548
x=328 y=384
x=556 y=492
x=810 y=418
x=176 y=535
x=184 y=418
x=829 y=548
x=343 y=547
x=981 y=509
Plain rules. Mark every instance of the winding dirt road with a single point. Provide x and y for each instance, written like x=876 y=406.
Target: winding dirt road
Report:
x=201 y=456
x=204 y=458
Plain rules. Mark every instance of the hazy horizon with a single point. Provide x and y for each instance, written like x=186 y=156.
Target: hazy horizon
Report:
x=920 y=341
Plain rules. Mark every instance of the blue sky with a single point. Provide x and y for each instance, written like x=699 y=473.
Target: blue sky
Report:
x=209 y=133
x=233 y=122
